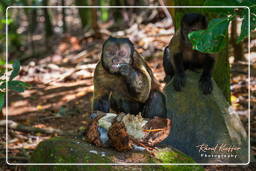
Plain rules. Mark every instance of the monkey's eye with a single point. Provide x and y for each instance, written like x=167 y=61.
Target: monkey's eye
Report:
x=110 y=53
x=122 y=53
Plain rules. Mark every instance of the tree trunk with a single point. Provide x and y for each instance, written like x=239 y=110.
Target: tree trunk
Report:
x=63 y=11
x=237 y=47
x=221 y=73
x=84 y=13
x=1 y=115
x=117 y=12
x=48 y=23
x=94 y=23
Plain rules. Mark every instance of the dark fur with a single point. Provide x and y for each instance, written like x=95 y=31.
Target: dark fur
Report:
x=179 y=56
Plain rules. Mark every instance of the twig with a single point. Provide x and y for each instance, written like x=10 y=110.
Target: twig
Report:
x=19 y=127
x=165 y=9
x=153 y=130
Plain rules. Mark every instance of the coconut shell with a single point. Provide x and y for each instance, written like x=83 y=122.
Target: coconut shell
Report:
x=92 y=134
x=119 y=137
x=126 y=130
x=158 y=129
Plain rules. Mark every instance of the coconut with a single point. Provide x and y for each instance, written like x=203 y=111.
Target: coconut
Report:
x=125 y=131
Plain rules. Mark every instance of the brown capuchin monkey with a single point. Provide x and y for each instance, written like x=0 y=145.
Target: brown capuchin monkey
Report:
x=123 y=82
x=179 y=55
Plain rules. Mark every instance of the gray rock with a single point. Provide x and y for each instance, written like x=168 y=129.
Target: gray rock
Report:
x=70 y=150
x=204 y=119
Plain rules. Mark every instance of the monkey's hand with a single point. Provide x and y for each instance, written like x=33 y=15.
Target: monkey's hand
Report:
x=179 y=80
x=125 y=69
x=205 y=84
x=134 y=79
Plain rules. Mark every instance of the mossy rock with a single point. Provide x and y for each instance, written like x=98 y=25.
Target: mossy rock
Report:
x=68 y=150
x=203 y=119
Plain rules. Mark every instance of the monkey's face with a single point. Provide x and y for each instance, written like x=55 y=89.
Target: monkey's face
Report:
x=116 y=52
x=189 y=28
x=192 y=22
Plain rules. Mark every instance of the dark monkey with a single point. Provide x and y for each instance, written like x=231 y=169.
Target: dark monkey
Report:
x=124 y=82
x=179 y=55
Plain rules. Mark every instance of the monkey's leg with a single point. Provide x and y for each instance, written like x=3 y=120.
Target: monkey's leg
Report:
x=168 y=69
x=101 y=104
x=155 y=106
x=205 y=82
x=120 y=104
x=179 y=78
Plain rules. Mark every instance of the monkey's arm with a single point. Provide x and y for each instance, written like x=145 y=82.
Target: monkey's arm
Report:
x=138 y=82
x=168 y=68
x=100 y=93
x=205 y=79
x=176 y=61
x=101 y=101
x=179 y=78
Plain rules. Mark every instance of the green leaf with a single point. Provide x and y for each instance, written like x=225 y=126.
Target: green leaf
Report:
x=2 y=95
x=6 y=21
x=3 y=85
x=211 y=40
x=244 y=26
x=2 y=62
x=16 y=69
x=17 y=85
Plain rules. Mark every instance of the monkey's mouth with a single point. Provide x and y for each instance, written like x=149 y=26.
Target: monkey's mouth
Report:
x=116 y=66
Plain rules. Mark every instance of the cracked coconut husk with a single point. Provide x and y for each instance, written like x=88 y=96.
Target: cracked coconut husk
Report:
x=125 y=131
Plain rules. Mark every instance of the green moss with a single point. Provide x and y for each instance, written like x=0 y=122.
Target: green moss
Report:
x=168 y=155
x=65 y=150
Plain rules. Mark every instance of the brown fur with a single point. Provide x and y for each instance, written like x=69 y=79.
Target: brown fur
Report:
x=187 y=51
x=106 y=83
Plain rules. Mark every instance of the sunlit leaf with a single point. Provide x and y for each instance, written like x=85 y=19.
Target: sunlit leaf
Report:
x=6 y=21
x=39 y=107
x=233 y=99
x=2 y=62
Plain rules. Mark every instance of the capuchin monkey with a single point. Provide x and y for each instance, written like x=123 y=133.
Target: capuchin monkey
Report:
x=179 y=55
x=123 y=82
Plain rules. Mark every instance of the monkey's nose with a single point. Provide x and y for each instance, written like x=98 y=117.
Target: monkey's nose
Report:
x=115 y=61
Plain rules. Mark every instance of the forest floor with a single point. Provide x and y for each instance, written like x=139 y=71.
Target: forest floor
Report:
x=62 y=87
